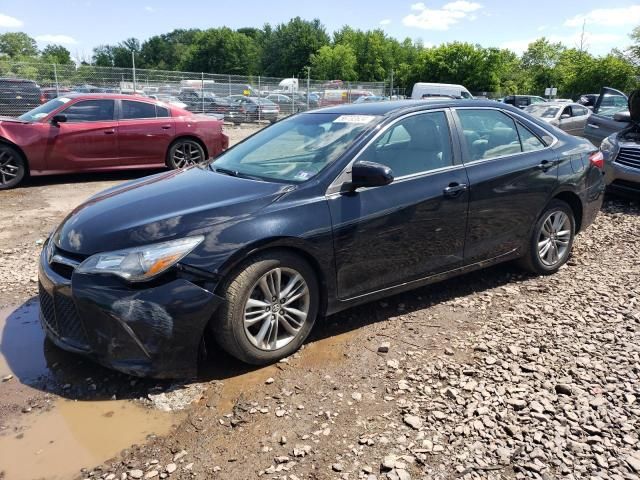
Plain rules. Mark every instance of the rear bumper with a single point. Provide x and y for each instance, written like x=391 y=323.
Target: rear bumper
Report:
x=152 y=331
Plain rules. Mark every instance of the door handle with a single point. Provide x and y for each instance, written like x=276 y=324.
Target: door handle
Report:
x=165 y=127
x=545 y=165
x=454 y=189
x=593 y=125
x=109 y=132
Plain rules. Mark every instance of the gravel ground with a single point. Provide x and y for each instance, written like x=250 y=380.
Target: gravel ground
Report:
x=499 y=376
x=495 y=375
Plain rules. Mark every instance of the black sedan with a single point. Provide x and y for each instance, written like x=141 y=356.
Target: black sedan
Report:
x=314 y=214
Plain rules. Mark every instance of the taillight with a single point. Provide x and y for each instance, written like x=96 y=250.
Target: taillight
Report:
x=597 y=159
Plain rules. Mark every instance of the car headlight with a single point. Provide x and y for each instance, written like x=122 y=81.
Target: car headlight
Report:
x=606 y=146
x=140 y=263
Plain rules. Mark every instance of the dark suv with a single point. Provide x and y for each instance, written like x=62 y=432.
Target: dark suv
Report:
x=18 y=96
x=522 y=101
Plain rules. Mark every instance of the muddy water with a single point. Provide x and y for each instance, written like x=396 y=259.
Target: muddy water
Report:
x=55 y=444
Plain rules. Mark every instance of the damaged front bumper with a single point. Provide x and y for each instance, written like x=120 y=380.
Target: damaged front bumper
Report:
x=152 y=330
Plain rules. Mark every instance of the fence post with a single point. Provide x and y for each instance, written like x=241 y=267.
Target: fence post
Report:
x=259 y=96
x=229 y=77
x=55 y=77
x=133 y=66
x=202 y=89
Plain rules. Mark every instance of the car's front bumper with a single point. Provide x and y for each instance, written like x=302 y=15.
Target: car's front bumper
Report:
x=622 y=177
x=152 y=330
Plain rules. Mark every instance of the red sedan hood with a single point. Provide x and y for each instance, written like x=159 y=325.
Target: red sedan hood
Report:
x=12 y=120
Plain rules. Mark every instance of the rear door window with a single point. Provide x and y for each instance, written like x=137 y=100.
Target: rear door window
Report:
x=491 y=134
x=137 y=110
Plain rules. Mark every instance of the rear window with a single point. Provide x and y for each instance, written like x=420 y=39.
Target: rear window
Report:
x=132 y=110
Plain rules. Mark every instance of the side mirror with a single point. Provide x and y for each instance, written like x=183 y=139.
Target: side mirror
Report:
x=369 y=174
x=564 y=116
x=60 y=118
x=622 y=116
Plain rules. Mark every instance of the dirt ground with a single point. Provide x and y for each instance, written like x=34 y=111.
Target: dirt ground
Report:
x=496 y=374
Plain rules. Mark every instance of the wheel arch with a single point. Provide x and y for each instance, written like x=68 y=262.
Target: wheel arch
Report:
x=195 y=138
x=291 y=245
x=9 y=143
x=573 y=200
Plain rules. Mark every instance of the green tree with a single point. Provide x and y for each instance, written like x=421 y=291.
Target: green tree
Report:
x=287 y=48
x=337 y=62
x=56 y=54
x=168 y=50
x=540 y=60
x=116 y=55
x=18 y=44
x=222 y=50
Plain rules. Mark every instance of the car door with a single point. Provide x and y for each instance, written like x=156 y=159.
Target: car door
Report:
x=512 y=171
x=411 y=228
x=145 y=131
x=567 y=121
x=580 y=115
x=87 y=139
x=601 y=123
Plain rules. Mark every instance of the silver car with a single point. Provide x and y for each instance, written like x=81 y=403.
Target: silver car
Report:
x=621 y=151
x=570 y=117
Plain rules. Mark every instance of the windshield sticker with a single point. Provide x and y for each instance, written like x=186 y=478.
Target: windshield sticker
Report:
x=354 y=119
x=303 y=175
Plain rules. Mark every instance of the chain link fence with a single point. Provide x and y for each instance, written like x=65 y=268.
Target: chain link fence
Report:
x=24 y=86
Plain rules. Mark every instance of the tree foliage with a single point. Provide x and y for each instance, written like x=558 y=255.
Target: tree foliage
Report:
x=356 y=55
x=17 y=45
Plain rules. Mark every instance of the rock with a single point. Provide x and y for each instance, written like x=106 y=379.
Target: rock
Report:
x=388 y=463
x=413 y=421
x=281 y=459
x=395 y=364
x=448 y=351
x=356 y=396
x=6 y=378
x=179 y=455
x=135 y=473
x=337 y=467
x=170 y=468
x=151 y=474
x=563 y=389
x=634 y=461
x=384 y=347
x=517 y=403
x=269 y=381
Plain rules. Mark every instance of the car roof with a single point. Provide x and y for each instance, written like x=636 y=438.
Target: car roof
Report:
x=112 y=96
x=556 y=104
x=398 y=106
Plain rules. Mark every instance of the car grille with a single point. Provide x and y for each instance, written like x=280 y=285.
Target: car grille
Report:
x=61 y=317
x=629 y=157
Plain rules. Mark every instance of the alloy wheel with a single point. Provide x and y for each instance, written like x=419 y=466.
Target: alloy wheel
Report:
x=554 y=238
x=187 y=154
x=276 y=309
x=9 y=167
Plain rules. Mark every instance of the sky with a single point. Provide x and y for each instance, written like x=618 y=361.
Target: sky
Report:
x=80 y=25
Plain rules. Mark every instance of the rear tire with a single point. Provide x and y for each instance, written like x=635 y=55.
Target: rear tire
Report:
x=185 y=153
x=13 y=167
x=551 y=240
x=271 y=305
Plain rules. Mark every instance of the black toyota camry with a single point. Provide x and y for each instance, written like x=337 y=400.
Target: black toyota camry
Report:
x=312 y=215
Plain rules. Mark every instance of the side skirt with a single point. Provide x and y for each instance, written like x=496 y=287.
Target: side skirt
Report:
x=340 y=305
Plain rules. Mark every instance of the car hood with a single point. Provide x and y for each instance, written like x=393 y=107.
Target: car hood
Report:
x=161 y=207
x=12 y=120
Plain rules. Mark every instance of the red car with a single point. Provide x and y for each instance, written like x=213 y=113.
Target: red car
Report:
x=103 y=132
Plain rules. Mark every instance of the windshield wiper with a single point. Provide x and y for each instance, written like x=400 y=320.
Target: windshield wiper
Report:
x=226 y=171
x=235 y=173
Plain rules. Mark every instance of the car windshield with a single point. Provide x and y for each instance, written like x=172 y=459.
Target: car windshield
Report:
x=44 y=109
x=296 y=149
x=542 y=111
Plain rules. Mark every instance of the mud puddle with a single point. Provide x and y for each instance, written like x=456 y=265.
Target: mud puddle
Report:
x=74 y=433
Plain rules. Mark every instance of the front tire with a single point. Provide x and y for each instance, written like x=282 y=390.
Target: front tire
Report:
x=13 y=167
x=551 y=239
x=185 y=153
x=271 y=305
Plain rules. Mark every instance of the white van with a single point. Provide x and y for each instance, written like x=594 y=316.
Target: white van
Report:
x=423 y=90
